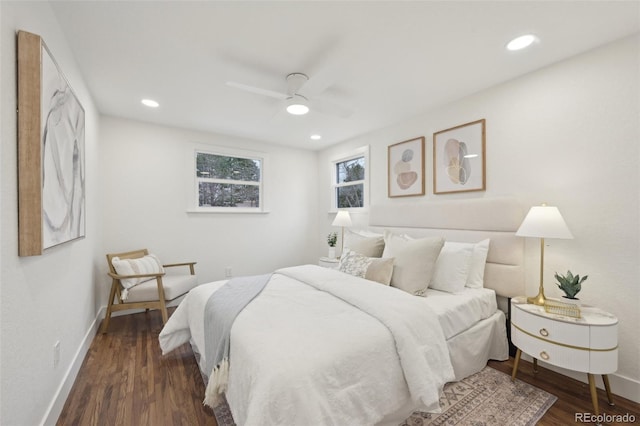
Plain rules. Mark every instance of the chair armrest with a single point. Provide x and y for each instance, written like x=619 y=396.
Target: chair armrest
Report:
x=189 y=264
x=179 y=264
x=120 y=277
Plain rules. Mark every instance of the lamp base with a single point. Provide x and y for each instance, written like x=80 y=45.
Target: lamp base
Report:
x=537 y=300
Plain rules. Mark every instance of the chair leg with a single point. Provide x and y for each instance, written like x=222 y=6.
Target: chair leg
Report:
x=107 y=317
x=163 y=305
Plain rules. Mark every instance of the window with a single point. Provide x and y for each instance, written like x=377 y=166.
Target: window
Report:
x=350 y=180
x=228 y=182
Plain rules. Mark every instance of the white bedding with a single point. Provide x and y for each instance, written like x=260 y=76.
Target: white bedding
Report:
x=303 y=356
x=457 y=312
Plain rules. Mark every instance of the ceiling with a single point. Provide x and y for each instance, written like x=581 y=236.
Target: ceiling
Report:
x=377 y=62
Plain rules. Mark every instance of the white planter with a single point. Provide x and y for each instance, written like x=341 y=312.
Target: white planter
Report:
x=570 y=301
x=332 y=253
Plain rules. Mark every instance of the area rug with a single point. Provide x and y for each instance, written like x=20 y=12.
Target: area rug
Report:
x=483 y=399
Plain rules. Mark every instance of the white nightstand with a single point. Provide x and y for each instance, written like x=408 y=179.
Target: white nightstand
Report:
x=329 y=262
x=588 y=344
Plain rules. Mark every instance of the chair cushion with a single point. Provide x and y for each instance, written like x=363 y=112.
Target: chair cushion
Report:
x=174 y=286
x=148 y=264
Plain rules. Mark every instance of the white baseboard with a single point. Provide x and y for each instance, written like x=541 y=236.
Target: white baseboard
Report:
x=625 y=387
x=60 y=397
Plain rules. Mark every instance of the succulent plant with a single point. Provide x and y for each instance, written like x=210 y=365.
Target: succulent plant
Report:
x=570 y=284
x=332 y=238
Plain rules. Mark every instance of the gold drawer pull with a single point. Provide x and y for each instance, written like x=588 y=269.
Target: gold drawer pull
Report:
x=544 y=355
x=544 y=332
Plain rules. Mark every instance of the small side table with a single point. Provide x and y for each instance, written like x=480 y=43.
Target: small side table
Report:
x=588 y=344
x=328 y=262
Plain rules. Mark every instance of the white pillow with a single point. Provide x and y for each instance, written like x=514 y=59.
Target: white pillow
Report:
x=452 y=267
x=367 y=243
x=414 y=261
x=478 y=262
x=148 y=264
x=370 y=268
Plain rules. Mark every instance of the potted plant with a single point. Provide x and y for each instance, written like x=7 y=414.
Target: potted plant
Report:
x=332 y=239
x=570 y=285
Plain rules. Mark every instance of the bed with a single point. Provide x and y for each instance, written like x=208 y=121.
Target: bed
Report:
x=320 y=346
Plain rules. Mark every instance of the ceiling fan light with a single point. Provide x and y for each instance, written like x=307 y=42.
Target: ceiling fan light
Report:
x=296 y=105
x=297 y=109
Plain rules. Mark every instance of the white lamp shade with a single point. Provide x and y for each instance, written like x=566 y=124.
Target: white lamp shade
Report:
x=342 y=219
x=544 y=222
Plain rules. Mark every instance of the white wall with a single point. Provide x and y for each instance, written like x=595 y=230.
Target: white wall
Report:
x=567 y=135
x=50 y=297
x=147 y=177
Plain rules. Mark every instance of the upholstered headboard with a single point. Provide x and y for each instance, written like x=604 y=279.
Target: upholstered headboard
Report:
x=468 y=220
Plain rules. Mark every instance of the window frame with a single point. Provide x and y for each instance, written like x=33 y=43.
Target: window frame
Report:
x=194 y=204
x=334 y=185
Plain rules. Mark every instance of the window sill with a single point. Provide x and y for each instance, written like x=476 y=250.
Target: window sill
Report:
x=227 y=211
x=352 y=210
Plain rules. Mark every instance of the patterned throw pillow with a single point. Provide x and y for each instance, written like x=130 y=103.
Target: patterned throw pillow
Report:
x=374 y=269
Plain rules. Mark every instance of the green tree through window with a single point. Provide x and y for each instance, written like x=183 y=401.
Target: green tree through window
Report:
x=227 y=181
x=350 y=175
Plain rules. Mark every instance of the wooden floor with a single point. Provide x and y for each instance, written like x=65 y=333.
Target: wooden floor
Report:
x=125 y=380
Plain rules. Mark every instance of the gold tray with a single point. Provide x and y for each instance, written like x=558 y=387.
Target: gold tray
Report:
x=561 y=308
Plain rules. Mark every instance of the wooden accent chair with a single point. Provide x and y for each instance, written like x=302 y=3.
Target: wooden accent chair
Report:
x=154 y=293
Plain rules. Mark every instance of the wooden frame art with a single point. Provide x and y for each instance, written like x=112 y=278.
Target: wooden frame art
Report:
x=405 y=168
x=459 y=158
x=51 y=168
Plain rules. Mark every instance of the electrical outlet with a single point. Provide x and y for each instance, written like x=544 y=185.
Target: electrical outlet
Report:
x=56 y=354
x=227 y=272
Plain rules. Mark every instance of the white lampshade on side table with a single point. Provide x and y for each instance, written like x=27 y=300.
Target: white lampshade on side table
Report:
x=543 y=222
x=342 y=219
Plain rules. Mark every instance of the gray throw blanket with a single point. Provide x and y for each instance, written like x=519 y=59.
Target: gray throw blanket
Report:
x=220 y=311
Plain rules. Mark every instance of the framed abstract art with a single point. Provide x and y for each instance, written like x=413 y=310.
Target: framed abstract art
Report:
x=51 y=167
x=459 y=158
x=405 y=168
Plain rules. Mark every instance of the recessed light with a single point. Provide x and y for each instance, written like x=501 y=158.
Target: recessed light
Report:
x=521 y=42
x=316 y=137
x=150 y=103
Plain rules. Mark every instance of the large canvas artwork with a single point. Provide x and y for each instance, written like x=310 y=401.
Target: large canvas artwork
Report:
x=51 y=167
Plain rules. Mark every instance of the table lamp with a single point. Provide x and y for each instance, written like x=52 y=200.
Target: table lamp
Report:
x=342 y=219
x=543 y=222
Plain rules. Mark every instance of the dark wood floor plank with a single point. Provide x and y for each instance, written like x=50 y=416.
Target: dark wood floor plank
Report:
x=125 y=380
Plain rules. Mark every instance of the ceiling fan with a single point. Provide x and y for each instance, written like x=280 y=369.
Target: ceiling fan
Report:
x=296 y=103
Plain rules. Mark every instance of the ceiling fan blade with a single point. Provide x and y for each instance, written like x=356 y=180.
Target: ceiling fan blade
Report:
x=257 y=90
x=331 y=108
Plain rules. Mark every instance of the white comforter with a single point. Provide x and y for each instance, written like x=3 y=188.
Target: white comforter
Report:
x=303 y=354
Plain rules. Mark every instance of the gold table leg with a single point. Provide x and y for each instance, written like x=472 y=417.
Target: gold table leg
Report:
x=607 y=387
x=594 y=394
x=515 y=365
